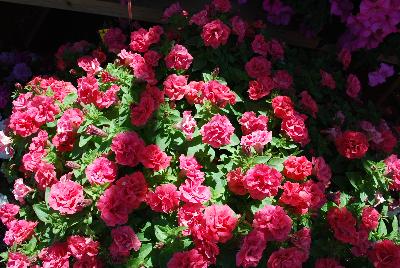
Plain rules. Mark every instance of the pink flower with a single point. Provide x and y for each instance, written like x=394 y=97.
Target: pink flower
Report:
x=141 y=69
x=296 y=129
x=327 y=263
x=66 y=197
x=21 y=190
x=39 y=142
x=385 y=254
x=218 y=131
x=187 y=125
x=194 y=92
x=235 y=180
x=193 y=192
x=282 y=80
x=23 y=123
x=222 y=5
x=115 y=40
x=260 y=45
x=192 y=258
x=57 y=255
x=286 y=258
x=274 y=222
x=19 y=231
x=352 y=144
x=165 y=198
x=142 y=112
x=257 y=140
x=188 y=163
x=252 y=249
x=127 y=147
x=175 y=86
x=321 y=170
x=297 y=168
x=200 y=18
x=276 y=50
x=90 y=65
x=220 y=220
x=152 y=57
x=327 y=80
x=7 y=213
x=260 y=88
x=296 y=195
x=353 y=86
x=190 y=215
x=141 y=39
x=283 y=107
x=88 y=89
x=81 y=247
x=250 y=122
x=101 y=171
x=17 y=260
x=345 y=58
x=215 y=33
x=113 y=207
x=178 y=58
x=308 y=103
x=92 y=262
x=45 y=175
x=262 y=181
x=302 y=239
x=154 y=158
x=218 y=94
x=370 y=218
x=134 y=189
x=70 y=121
x=257 y=67
x=108 y=98
x=343 y=225
x=173 y=9
x=44 y=109
x=124 y=240
x=239 y=27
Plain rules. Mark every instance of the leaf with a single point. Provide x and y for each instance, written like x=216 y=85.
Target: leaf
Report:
x=70 y=99
x=42 y=212
x=395 y=228
x=234 y=140
x=354 y=178
x=144 y=251
x=161 y=232
x=277 y=163
x=83 y=140
x=262 y=159
x=382 y=231
x=263 y=203
x=207 y=77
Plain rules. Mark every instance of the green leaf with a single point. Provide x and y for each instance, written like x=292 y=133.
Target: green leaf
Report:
x=276 y=163
x=262 y=159
x=42 y=212
x=382 y=231
x=138 y=259
x=161 y=232
x=70 y=99
x=395 y=228
x=256 y=207
x=83 y=140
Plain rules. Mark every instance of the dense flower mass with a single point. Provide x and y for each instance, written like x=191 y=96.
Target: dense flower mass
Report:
x=206 y=143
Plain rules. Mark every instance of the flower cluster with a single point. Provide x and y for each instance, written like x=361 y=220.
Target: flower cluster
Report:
x=204 y=143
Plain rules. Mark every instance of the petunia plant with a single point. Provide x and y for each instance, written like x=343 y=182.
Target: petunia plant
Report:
x=205 y=143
